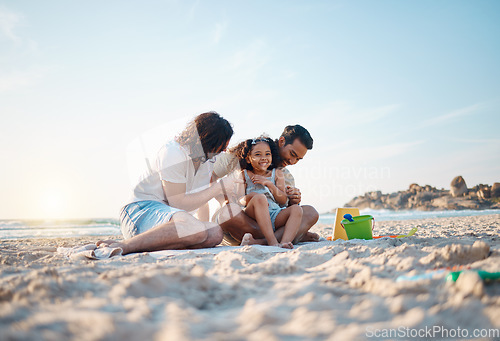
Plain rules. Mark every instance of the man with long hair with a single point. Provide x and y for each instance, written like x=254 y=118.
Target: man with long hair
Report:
x=160 y=213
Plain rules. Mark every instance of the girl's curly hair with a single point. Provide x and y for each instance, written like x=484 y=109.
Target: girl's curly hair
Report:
x=242 y=149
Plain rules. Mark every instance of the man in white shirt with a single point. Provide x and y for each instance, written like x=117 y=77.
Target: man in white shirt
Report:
x=293 y=145
x=160 y=212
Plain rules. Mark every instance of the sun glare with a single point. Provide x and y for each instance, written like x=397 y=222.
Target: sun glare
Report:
x=52 y=204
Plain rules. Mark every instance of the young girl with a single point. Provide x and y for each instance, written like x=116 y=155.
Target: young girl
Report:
x=265 y=192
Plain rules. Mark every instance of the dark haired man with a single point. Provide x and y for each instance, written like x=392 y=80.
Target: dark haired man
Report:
x=160 y=213
x=293 y=145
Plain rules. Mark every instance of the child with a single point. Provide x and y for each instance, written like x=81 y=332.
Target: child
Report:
x=265 y=192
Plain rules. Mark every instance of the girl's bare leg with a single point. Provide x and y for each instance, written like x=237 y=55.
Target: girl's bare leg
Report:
x=257 y=208
x=291 y=218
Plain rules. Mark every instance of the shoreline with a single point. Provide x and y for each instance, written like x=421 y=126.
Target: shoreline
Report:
x=8 y=231
x=326 y=290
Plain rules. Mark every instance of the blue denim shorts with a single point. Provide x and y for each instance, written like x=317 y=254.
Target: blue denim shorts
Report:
x=140 y=216
x=273 y=213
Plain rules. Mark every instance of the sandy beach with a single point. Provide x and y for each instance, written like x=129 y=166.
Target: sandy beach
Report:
x=339 y=290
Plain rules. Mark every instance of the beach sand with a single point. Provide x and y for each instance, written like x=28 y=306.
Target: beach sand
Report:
x=328 y=290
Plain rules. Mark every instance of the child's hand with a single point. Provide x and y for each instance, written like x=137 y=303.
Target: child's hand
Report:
x=259 y=179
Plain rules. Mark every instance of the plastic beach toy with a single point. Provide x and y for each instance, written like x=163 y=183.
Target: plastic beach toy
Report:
x=433 y=274
x=359 y=227
x=338 y=230
x=485 y=275
x=348 y=217
x=411 y=233
x=426 y=275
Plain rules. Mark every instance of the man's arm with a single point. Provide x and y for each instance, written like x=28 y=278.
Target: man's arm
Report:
x=292 y=192
x=224 y=164
x=177 y=196
x=219 y=197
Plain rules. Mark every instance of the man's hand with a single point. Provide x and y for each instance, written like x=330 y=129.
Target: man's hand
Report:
x=293 y=194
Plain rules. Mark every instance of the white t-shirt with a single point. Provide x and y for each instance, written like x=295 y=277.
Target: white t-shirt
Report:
x=173 y=164
x=226 y=163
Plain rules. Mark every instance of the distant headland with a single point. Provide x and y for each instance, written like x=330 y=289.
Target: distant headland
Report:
x=428 y=198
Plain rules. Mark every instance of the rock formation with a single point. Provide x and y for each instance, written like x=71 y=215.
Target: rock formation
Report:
x=495 y=190
x=427 y=198
x=458 y=187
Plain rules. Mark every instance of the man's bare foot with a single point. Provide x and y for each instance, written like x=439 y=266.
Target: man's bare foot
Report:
x=310 y=237
x=112 y=244
x=247 y=239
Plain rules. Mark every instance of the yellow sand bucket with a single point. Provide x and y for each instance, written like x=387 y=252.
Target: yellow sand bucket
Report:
x=360 y=227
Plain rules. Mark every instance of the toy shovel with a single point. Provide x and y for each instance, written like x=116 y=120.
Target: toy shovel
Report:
x=411 y=233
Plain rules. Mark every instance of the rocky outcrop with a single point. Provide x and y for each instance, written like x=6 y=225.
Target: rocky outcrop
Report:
x=427 y=198
x=495 y=190
x=458 y=187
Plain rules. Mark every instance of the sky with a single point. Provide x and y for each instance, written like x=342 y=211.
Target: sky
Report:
x=392 y=92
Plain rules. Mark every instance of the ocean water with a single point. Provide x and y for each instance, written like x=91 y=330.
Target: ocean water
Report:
x=18 y=229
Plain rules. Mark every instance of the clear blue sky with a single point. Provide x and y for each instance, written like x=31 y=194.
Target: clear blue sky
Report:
x=393 y=92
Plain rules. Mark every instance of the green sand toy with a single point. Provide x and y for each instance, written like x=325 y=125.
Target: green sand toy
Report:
x=411 y=233
x=485 y=275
